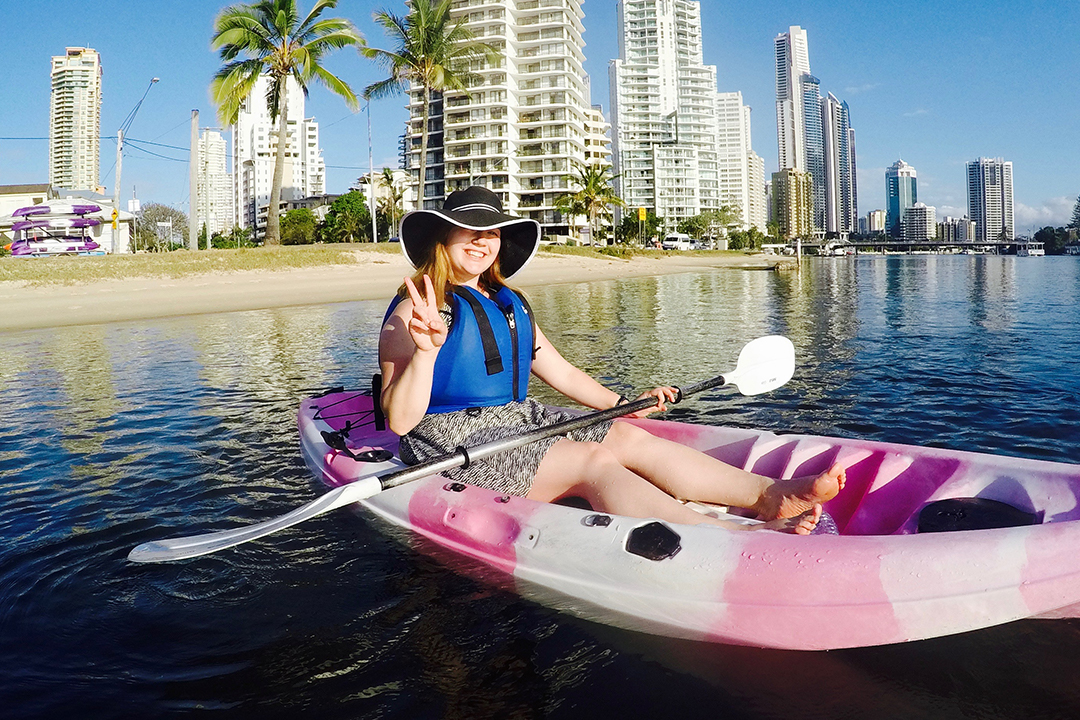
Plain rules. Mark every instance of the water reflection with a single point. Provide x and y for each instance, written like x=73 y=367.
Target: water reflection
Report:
x=113 y=435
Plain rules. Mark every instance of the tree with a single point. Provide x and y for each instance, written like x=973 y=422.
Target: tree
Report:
x=1074 y=223
x=631 y=230
x=1053 y=239
x=348 y=220
x=274 y=40
x=392 y=206
x=711 y=223
x=595 y=195
x=298 y=227
x=148 y=236
x=433 y=51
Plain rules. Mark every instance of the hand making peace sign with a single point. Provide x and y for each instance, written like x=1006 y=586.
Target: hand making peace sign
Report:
x=427 y=328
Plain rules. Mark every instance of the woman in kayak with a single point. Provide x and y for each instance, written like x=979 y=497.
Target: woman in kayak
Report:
x=456 y=351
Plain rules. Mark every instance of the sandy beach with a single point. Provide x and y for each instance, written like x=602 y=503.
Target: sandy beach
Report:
x=372 y=277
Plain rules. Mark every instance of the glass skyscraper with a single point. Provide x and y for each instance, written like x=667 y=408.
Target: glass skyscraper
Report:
x=901 y=192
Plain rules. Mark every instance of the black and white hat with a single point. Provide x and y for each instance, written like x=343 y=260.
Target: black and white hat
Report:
x=475 y=208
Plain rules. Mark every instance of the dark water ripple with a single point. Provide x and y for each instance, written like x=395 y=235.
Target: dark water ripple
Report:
x=115 y=435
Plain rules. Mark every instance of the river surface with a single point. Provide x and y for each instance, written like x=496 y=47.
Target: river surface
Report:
x=112 y=435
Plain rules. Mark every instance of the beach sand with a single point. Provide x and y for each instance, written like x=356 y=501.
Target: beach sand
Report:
x=372 y=277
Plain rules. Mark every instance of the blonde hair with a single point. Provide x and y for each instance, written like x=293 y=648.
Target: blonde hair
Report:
x=436 y=265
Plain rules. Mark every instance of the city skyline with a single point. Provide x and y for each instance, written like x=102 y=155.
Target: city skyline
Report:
x=967 y=81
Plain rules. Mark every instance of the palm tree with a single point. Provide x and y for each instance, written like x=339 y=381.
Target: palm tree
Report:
x=270 y=37
x=594 y=196
x=395 y=194
x=433 y=51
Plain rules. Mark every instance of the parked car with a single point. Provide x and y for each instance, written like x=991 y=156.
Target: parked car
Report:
x=676 y=241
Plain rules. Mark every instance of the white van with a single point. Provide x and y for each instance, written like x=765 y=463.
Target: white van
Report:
x=676 y=241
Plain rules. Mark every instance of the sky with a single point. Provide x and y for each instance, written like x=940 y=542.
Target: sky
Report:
x=937 y=84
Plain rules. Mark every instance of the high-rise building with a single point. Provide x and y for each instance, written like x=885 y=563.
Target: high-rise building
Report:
x=875 y=222
x=680 y=147
x=741 y=171
x=920 y=223
x=814 y=135
x=792 y=62
x=901 y=192
x=793 y=203
x=75 y=119
x=841 y=202
x=990 y=199
x=956 y=230
x=255 y=140
x=663 y=100
x=525 y=125
x=214 y=184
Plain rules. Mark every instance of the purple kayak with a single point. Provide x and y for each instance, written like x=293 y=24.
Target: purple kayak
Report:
x=57 y=209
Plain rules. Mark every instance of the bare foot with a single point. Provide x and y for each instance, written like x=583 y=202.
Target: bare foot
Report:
x=794 y=497
x=802 y=524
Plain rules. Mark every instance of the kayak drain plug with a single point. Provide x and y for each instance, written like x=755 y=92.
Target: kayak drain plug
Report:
x=654 y=541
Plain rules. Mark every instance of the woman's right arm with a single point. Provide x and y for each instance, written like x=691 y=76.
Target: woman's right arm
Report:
x=408 y=346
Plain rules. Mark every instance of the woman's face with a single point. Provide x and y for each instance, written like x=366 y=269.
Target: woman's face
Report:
x=471 y=252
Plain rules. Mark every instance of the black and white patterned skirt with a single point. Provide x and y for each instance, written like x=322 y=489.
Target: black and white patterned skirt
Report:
x=510 y=472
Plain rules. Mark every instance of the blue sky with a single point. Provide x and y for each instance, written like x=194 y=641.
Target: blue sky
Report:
x=935 y=83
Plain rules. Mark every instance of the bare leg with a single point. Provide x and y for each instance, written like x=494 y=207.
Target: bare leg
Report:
x=591 y=471
x=688 y=474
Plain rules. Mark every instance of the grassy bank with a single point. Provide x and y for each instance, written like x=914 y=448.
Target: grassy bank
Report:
x=182 y=263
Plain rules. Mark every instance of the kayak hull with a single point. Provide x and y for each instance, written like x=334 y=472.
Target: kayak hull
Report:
x=879 y=582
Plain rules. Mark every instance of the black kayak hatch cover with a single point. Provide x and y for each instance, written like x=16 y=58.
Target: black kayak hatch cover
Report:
x=653 y=541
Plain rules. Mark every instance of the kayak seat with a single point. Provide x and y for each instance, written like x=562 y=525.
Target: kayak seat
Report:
x=973 y=513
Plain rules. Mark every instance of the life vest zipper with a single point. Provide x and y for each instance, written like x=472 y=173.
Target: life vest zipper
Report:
x=514 y=350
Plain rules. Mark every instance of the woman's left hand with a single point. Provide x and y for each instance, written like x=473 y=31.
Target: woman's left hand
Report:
x=665 y=394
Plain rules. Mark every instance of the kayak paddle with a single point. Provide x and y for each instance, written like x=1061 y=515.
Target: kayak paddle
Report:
x=764 y=364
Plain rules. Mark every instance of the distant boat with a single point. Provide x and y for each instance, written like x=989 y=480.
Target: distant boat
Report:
x=1030 y=248
x=55 y=229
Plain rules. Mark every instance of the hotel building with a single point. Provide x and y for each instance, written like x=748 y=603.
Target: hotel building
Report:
x=920 y=223
x=75 y=119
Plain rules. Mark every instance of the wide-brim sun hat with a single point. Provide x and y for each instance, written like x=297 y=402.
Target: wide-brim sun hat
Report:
x=474 y=208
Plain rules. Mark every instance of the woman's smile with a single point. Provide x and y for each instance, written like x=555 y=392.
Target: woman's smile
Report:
x=471 y=252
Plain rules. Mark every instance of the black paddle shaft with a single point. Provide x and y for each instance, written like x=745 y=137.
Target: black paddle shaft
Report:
x=462 y=456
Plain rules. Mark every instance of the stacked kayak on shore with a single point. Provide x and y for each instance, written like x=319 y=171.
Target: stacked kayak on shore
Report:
x=891 y=575
x=55 y=229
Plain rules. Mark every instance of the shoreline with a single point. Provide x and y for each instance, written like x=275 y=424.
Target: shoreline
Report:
x=370 y=278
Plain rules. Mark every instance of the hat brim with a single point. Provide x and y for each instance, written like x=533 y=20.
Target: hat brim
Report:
x=520 y=237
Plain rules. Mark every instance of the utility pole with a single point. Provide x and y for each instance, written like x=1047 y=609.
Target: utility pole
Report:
x=120 y=144
x=371 y=178
x=193 y=181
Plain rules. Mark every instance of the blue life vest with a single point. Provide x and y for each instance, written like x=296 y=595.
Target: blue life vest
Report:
x=487 y=357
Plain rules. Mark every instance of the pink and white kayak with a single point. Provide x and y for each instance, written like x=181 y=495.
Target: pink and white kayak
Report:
x=885 y=579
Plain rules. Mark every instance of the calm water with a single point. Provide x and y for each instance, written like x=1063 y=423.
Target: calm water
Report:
x=113 y=435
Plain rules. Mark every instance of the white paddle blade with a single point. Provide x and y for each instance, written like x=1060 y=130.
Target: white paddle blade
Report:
x=764 y=364
x=195 y=545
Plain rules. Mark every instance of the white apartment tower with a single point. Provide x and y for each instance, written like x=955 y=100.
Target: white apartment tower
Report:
x=741 y=171
x=255 y=150
x=990 y=199
x=522 y=129
x=75 y=119
x=841 y=202
x=680 y=147
x=792 y=62
x=214 y=184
